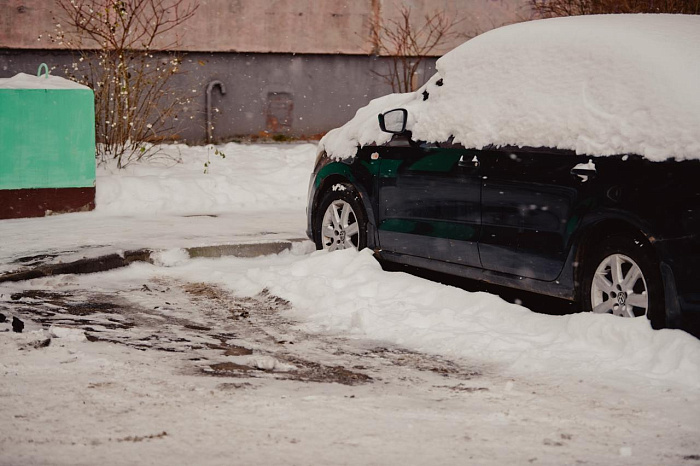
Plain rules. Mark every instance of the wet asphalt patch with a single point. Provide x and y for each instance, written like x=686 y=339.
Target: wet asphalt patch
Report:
x=223 y=335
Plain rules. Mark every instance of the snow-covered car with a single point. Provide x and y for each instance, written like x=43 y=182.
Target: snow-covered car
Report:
x=558 y=156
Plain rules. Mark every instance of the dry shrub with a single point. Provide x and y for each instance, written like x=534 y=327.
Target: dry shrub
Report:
x=552 y=8
x=408 y=41
x=127 y=58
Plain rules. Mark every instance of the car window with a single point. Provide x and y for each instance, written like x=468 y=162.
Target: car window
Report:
x=400 y=140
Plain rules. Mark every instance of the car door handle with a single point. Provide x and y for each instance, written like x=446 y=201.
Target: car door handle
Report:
x=473 y=163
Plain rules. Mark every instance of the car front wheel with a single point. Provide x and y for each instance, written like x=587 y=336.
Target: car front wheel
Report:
x=622 y=279
x=341 y=222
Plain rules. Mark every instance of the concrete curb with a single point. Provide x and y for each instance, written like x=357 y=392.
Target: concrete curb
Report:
x=114 y=261
x=243 y=250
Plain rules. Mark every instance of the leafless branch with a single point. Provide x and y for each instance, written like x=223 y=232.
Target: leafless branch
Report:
x=552 y=8
x=408 y=44
x=118 y=42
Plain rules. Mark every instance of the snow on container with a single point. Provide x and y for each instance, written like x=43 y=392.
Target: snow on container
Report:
x=47 y=146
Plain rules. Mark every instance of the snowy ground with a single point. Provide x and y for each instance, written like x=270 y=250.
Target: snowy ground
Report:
x=306 y=357
x=252 y=193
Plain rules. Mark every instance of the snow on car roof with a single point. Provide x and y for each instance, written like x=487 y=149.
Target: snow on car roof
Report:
x=599 y=85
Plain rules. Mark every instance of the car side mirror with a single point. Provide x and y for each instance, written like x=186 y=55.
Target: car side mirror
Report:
x=393 y=121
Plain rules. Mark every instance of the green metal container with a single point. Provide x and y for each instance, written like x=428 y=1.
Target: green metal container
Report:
x=47 y=142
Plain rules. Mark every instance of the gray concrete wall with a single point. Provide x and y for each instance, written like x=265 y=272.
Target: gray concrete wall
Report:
x=293 y=94
x=300 y=95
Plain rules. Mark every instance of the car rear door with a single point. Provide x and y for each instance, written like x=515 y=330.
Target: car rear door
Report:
x=429 y=200
x=531 y=205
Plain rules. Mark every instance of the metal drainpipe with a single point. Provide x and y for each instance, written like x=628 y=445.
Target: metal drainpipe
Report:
x=210 y=88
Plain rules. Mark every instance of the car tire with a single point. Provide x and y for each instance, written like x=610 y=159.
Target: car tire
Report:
x=340 y=220
x=622 y=278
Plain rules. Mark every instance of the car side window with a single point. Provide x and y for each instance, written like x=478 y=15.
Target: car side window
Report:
x=400 y=140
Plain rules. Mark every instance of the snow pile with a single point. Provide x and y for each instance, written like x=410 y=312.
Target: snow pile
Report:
x=262 y=362
x=600 y=85
x=170 y=257
x=238 y=178
x=27 y=81
x=347 y=291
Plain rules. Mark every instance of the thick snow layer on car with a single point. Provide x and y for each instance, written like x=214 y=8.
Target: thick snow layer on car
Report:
x=600 y=85
x=27 y=81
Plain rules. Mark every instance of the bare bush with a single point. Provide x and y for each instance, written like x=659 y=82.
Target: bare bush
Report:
x=552 y=8
x=408 y=43
x=126 y=57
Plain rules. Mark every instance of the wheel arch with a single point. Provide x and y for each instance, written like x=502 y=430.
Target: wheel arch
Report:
x=327 y=183
x=597 y=231
x=333 y=179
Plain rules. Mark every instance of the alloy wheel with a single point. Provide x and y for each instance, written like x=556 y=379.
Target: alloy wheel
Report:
x=339 y=227
x=619 y=288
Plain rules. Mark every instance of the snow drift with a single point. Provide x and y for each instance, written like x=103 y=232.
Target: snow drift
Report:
x=348 y=292
x=238 y=177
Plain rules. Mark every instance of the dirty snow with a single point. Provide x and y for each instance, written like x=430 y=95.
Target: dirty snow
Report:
x=454 y=374
x=350 y=292
x=599 y=85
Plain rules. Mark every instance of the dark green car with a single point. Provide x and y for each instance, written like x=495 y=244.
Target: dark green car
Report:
x=619 y=234
x=559 y=156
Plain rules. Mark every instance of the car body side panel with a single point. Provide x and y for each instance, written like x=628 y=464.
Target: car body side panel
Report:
x=428 y=204
x=531 y=204
x=537 y=222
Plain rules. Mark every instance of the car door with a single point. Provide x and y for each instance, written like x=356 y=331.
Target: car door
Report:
x=531 y=204
x=429 y=200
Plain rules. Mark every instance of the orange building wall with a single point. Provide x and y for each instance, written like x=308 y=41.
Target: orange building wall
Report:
x=273 y=26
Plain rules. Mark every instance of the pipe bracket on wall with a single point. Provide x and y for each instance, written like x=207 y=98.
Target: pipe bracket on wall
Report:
x=210 y=88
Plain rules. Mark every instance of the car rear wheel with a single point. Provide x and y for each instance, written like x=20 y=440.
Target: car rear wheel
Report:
x=622 y=279
x=341 y=222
